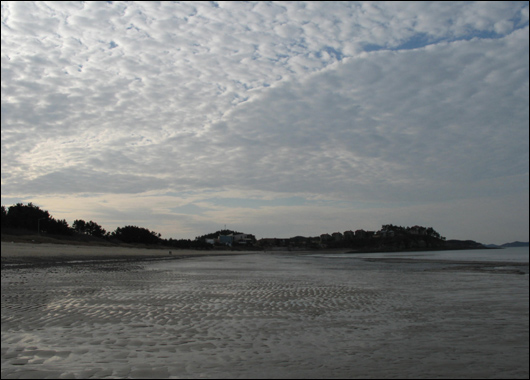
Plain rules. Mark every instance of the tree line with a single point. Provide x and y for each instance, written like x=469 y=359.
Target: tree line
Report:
x=31 y=219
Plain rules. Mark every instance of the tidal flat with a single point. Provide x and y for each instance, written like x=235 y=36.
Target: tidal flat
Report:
x=265 y=316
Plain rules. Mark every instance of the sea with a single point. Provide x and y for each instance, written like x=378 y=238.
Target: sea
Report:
x=515 y=254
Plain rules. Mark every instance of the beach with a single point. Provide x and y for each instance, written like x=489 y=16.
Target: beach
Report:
x=259 y=315
x=27 y=254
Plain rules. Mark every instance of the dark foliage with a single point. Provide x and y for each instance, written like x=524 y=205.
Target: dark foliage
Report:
x=89 y=228
x=56 y=227
x=31 y=218
x=134 y=234
x=187 y=244
x=216 y=234
x=27 y=217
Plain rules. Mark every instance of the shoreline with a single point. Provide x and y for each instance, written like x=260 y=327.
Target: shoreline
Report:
x=24 y=255
x=15 y=255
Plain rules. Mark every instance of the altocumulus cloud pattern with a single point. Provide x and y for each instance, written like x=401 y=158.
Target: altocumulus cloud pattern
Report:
x=280 y=117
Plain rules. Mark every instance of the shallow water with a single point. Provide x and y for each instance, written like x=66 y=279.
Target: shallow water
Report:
x=262 y=316
x=520 y=254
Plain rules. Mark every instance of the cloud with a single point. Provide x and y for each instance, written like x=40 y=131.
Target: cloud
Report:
x=78 y=181
x=344 y=101
x=420 y=122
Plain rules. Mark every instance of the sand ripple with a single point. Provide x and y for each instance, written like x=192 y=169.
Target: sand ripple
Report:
x=260 y=316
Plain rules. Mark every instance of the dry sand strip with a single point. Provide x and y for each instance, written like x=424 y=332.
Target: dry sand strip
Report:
x=24 y=254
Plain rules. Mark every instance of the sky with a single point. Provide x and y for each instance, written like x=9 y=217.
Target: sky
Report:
x=271 y=118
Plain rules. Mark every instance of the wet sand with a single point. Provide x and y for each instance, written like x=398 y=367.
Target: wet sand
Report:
x=263 y=316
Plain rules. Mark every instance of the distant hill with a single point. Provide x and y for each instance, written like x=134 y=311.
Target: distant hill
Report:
x=515 y=244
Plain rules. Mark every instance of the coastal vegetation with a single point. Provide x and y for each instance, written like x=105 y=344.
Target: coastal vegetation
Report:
x=31 y=220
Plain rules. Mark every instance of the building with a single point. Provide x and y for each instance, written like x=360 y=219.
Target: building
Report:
x=244 y=239
x=349 y=235
x=360 y=234
x=299 y=241
x=226 y=239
